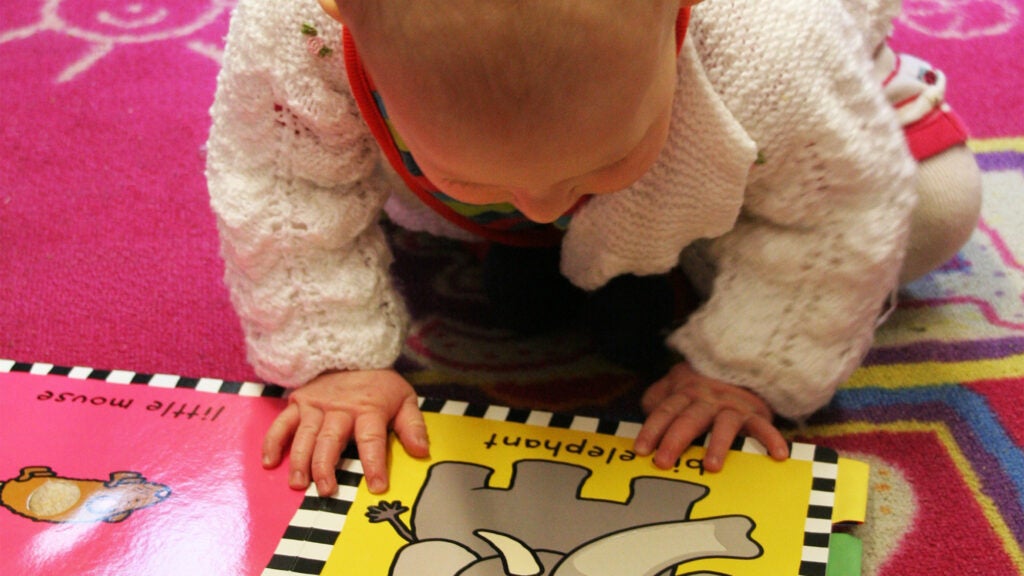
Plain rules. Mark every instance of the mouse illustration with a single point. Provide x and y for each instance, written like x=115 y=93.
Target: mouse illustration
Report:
x=39 y=494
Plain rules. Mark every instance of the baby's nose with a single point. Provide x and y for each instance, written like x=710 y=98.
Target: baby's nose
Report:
x=542 y=206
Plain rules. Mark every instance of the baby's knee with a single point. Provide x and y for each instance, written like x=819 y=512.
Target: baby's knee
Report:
x=948 y=208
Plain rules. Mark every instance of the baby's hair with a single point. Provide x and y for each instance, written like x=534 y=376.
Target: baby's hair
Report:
x=517 y=56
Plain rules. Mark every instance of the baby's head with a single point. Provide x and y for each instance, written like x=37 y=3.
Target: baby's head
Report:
x=533 y=102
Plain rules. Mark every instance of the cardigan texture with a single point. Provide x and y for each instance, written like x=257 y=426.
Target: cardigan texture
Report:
x=784 y=163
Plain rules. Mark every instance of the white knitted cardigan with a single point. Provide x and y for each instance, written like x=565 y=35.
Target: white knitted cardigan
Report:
x=782 y=151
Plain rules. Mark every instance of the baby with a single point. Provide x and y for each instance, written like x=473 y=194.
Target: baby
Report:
x=750 y=142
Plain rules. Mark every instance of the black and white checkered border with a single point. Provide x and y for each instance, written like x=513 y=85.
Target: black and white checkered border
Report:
x=307 y=543
x=818 y=526
x=125 y=377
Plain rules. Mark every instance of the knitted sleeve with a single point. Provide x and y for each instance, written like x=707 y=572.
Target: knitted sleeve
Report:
x=294 y=181
x=804 y=274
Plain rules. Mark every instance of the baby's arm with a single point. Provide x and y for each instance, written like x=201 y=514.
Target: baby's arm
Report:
x=292 y=175
x=805 y=273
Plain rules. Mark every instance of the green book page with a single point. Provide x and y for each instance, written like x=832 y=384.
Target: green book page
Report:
x=844 y=555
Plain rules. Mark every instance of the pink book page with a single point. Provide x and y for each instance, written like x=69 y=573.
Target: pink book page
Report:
x=100 y=478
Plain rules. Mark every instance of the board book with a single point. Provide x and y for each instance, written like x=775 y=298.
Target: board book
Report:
x=173 y=473
x=113 y=472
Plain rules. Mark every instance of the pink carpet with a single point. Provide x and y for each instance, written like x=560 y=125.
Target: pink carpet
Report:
x=110 y=260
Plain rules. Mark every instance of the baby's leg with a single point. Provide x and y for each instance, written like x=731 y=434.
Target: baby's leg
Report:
x=948 y=178
x=948 y=206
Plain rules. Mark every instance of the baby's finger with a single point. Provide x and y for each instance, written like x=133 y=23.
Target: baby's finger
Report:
x=310 y=421
x=727 y=425
x=278 y=435
x=412 y=430
x=331 y=440
x=693 y=422
x=371 y=432
x=658 y=421
x=769 y=435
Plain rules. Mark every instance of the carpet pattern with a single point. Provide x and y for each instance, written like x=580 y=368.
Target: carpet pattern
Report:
x=109 y=258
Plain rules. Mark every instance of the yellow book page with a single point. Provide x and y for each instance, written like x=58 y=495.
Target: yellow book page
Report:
x=851 y=492
x=512 y=499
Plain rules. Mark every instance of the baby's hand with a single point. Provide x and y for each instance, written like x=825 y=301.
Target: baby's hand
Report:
x=324 y=415
x=684 y=403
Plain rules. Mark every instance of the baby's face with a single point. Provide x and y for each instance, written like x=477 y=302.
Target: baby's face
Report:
x=547 y=174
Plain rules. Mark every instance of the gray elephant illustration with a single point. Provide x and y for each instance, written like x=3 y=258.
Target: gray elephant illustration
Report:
x=541 y=526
